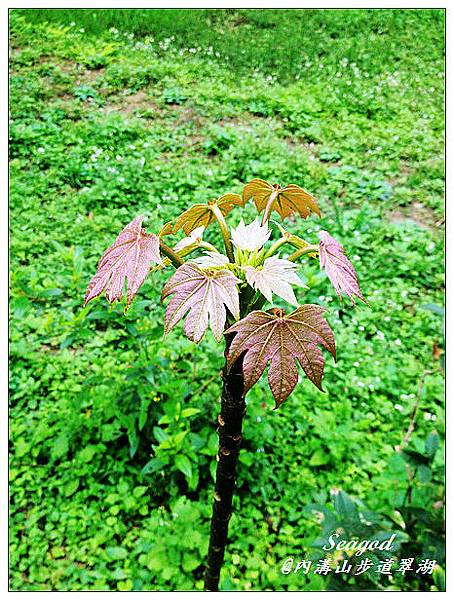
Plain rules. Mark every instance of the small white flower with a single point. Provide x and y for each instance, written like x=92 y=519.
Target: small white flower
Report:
x=398 y=342
x=399 y=407
x=250 y=237
x=275 y=276
x=211 y=259
x=191 y=239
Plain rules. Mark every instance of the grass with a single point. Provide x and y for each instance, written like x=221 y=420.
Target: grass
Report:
x=106 y=125
x=283 y=40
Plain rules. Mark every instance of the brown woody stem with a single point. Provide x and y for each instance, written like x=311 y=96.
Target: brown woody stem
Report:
x=230 y=420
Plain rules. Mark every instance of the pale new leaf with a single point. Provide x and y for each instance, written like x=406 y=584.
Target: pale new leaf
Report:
x=277 y=276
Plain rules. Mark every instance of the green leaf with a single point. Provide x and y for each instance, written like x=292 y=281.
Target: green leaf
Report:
x=157 y=559
x=320 y=457
x=133 y=442
x=71 y=487
x=183 y=464
x=60 y=446
x=424 y=473
x=139 y=491
x=69 y=339
x=179 y=437
x=160 y=434
x=116 y=553
x=190 y=562
x=189 y=412
x=343 y=504
x=87 y=453
x=439 y=578
x=432 y=443
x=153 y=465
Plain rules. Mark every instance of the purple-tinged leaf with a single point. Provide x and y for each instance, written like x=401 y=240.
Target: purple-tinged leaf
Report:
x=338 y=268
x=205 y=294
x=282 y=340
x=128 y=258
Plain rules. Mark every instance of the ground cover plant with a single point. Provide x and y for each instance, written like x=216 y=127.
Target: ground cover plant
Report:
x=111 y=469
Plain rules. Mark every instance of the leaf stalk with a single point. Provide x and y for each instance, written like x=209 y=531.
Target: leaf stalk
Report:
x=310 y=249
x=176 y=260
x=269 y=206
x=224 y=231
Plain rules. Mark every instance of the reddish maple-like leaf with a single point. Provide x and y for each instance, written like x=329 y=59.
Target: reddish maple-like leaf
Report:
x=338 y=268
x=205 y=294
x=202 y=214
x=128 y=258
x=286 y=200
x=282 y=340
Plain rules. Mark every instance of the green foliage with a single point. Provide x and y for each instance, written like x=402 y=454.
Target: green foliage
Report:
x=96 y=396
x=412 y=512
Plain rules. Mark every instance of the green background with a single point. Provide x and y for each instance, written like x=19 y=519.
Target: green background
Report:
x=117 y=113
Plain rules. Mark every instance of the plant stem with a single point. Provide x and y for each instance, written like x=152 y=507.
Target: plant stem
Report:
x=176 y=260
x=184 y=252
x=208 y=246
x=224 y=230
x=269 y=206
x=302 y=251
x=276 y=245
x=230 y=419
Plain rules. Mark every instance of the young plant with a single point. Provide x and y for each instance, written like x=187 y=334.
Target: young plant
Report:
x=227 y=292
